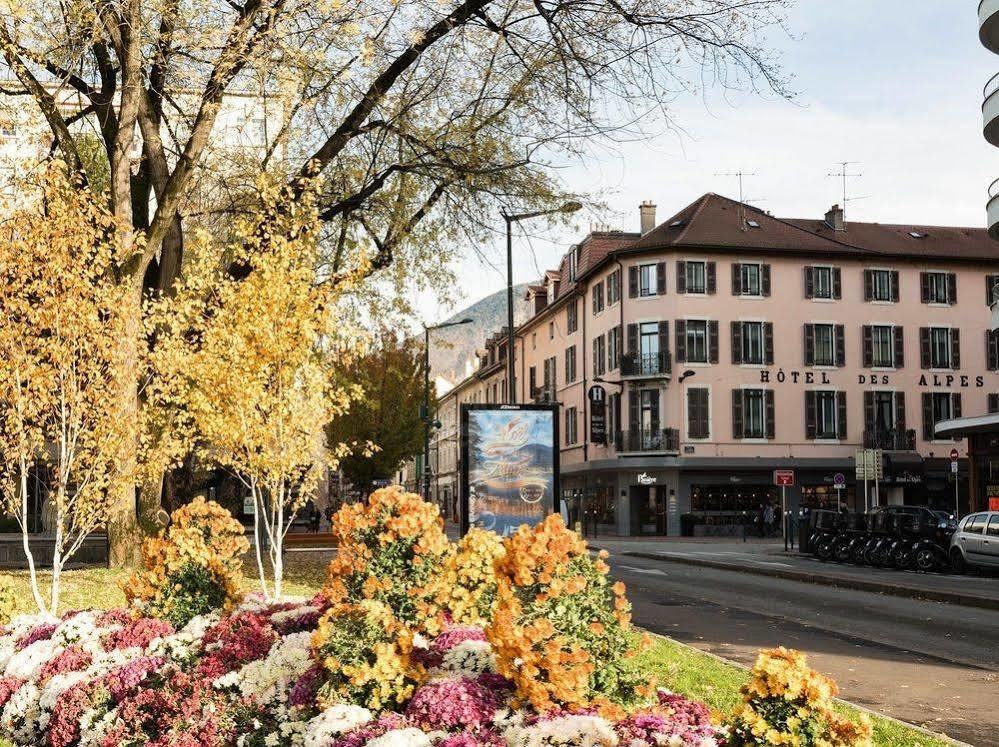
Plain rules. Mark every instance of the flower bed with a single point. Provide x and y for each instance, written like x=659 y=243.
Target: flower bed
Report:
x=412 y=643
x=252 y=678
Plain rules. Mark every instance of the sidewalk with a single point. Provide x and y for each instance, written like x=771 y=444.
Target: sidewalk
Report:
x=767 y=558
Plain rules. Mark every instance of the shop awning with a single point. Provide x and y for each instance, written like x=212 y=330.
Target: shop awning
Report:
x=958 y=427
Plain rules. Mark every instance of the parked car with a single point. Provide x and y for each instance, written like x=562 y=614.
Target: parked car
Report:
x=976 y=542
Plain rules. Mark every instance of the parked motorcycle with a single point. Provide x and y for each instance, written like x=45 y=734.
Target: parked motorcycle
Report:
x=853 y=536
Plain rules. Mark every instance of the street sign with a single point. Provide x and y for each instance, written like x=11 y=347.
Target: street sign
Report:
x=597 y=393
x=954 y=455
x=953 y=467
x=784 y=478
x=869 y=464
x=839 y=480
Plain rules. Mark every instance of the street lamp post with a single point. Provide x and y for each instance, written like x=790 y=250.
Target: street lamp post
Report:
x=428 y=421
x=569 y=207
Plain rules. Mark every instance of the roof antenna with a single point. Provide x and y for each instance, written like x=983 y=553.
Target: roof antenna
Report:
x=742 y=203
x=844 y=174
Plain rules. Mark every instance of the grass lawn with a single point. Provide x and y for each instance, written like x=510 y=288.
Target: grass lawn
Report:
x=691 y=672
x=676 y=666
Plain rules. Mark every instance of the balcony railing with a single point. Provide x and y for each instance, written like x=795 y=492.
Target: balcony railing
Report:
x=543 y=395
x=890 y=440
x=647 y=365
x=646 y=440
x=992 y=210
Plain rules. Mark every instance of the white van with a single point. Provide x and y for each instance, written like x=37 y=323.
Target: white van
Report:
x=976 y=541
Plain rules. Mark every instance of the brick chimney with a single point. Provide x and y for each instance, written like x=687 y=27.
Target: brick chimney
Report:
x=647 y=212
x=835 y=219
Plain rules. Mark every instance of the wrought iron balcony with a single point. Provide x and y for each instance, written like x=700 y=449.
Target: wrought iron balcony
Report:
x=648 y=440
x=891 y=439
x=650 y=365
x=543 y=395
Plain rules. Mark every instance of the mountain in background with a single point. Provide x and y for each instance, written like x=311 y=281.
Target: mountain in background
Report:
x=452 y=351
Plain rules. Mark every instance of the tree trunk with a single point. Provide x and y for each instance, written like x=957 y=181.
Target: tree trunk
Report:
x=124 y=533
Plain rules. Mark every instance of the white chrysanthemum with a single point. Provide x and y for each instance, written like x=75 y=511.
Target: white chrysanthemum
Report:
x=27 y=662
x=335 y=720
x=575 y=730
x=79 y=628
x=408 y=737
x=295 y=613
x=20 y=718
x=57 y=685
x=94 y=724
x=470 y=658
x=269 y=679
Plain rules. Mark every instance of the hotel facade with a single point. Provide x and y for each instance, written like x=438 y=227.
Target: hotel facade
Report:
x=693 y=358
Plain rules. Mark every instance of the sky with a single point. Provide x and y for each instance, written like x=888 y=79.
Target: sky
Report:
x=894 y=86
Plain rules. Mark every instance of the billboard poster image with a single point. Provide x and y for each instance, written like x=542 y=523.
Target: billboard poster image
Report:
x=509 y=466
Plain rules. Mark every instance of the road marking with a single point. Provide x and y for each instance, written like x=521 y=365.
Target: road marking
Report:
x=650 y=571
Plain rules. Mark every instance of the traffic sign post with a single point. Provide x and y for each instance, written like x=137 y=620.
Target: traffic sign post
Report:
x=954 y=469
x=784 y=478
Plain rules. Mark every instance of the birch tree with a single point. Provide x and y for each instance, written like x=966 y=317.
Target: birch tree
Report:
x=247 y=365
x=425 y=118
x=62 y=424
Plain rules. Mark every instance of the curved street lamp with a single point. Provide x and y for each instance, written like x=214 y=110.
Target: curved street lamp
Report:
x=571 y=206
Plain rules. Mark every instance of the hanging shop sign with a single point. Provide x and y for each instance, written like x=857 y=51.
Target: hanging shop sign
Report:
x=598 y=414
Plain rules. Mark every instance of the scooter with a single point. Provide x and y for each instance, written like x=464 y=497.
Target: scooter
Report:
x=825 y=530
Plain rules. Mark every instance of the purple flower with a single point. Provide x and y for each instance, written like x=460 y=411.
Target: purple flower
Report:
x=362 y=735
x=38 y=633
x=451 y=637
x=481 y=738
x=303 y=692
x=453 y=703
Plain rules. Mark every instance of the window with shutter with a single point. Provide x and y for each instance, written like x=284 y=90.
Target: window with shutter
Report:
x=810 y=415
x=924 y=347
x=993 y=403
x=841 y=432
x=991 y=350
x=713 y=341
x=809 y=282
x=764 y=280
x=681 y=341
x=955 y=348
x=753 y=343
x=840 y=345
x=771 y=415
x=661 y=278
x=837 y=283
x=736 y=279
x=696 y=343
x=736 y=342
x=681 y=276
x=738 y=425
x=632 y=282
x=809 y=345
x=768 y=343
x=697 y=413
x=899 y=345
x=711 y=280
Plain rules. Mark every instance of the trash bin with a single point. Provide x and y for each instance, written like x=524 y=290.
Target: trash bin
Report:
x=804 y=531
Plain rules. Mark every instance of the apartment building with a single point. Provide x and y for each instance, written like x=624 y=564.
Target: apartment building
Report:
x=725 y=343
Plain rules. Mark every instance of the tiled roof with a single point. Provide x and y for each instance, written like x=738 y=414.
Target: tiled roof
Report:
x=713 y=221
x=910 y=240
x=593 y=250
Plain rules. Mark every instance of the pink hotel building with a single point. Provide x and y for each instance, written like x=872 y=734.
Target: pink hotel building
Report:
x=729 y=343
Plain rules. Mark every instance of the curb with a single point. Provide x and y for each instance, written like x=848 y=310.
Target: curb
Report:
x=858 y=584
x=864 y=709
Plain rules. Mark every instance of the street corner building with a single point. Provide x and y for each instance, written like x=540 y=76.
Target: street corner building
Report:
x=693 y=358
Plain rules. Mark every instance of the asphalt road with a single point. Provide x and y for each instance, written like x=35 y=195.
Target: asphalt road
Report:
x=928 y=663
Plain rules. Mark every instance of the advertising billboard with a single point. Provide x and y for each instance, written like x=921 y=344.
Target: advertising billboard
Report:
x=509 y=464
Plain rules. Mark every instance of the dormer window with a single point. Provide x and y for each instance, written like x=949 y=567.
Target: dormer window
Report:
x=573 y=262
x=917 y=235
x=753 y=223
